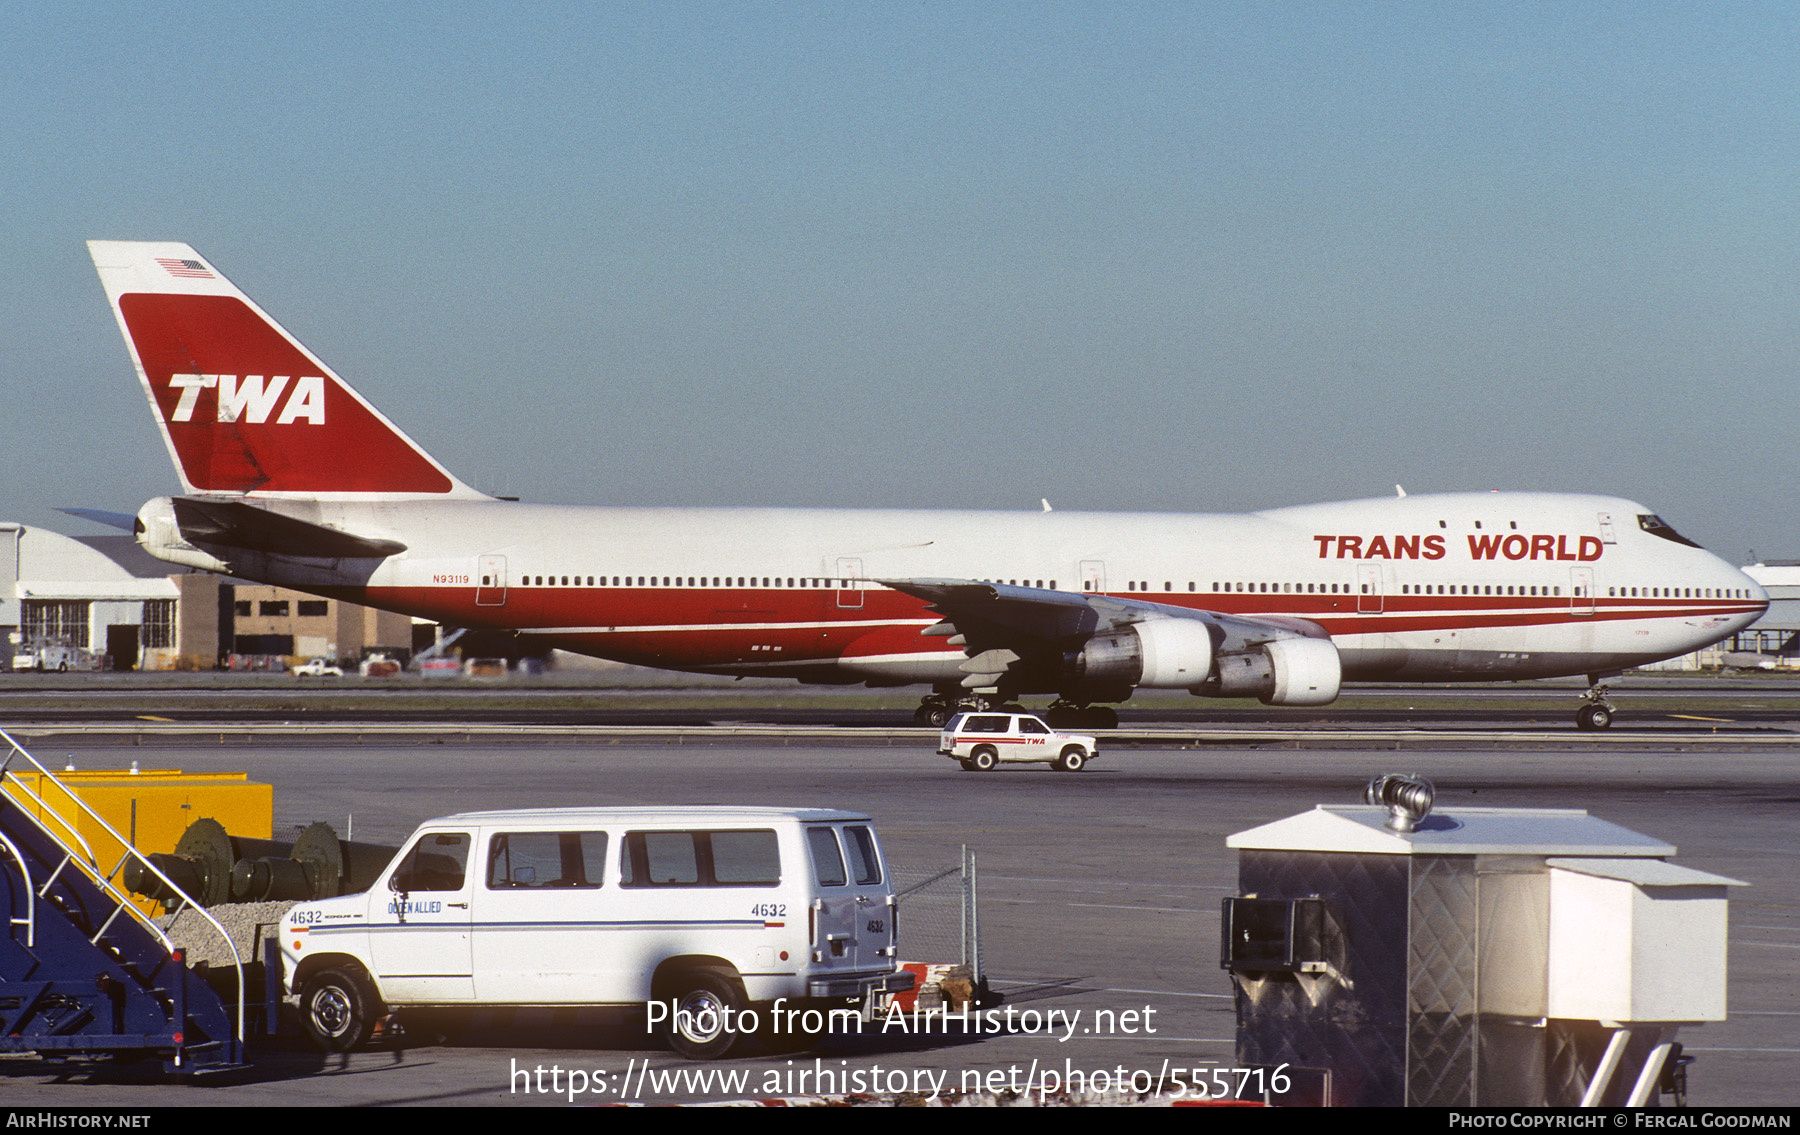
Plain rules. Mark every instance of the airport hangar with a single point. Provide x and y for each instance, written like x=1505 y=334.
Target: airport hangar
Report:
x=105 y=596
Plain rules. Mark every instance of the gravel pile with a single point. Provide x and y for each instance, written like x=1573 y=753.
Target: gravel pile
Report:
x=249 y=924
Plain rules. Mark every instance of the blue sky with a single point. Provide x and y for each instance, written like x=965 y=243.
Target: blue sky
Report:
x=1123 y=256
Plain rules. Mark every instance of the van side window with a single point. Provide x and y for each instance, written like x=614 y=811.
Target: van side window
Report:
x=828 y=862
x=863 y=856
x=436 y=863
x=700 y=859
x=1032 y=725
x=546 y=859
x=660 y=859
x=744 y=859
x=987 y=724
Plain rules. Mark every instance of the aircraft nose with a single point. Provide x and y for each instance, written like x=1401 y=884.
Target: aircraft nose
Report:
x=1754 y=599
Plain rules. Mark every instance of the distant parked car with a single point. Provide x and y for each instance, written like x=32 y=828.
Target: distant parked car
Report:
x=379 y=666
x=45 y=655
x=317 y=668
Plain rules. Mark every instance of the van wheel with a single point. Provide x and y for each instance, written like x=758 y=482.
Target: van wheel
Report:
x=1071 y=760
x=704 y=1001
x=338 y=1009
x=984 y=758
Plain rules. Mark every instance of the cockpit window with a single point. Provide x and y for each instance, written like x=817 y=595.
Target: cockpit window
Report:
x=1655 y=526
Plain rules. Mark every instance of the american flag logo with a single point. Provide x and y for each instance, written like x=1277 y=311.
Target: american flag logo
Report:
x=186 y=269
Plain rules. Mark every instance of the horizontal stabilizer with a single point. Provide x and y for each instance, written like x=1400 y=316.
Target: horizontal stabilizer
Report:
x=124 y=520
x=236 y=525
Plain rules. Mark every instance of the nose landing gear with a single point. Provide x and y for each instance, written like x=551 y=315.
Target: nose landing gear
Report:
x=1595 y=712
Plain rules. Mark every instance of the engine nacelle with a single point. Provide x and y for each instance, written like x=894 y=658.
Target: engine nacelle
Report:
x=1308 y=671
x=1286 y=671
x=1168 y=654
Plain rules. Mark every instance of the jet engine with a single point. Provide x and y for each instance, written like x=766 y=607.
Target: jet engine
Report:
x=1168 y=654
x=1283 y=671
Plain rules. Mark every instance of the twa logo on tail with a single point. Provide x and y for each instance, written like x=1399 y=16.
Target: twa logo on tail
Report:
x=252 y=400
x=243 y=407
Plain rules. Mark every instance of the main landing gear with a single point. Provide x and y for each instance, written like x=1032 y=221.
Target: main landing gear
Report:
x=1065 y=714
x=936 y=710
x=1595 y=712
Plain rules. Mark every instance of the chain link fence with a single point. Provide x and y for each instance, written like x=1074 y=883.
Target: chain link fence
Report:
x=940 y=916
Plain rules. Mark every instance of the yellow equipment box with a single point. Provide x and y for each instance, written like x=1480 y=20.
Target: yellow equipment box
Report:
x=150 y=809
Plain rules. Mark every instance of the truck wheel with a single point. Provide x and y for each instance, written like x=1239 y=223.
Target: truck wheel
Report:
x=984 y=758
x=338 y=1009
x=705 y=1001
x=1071 y=760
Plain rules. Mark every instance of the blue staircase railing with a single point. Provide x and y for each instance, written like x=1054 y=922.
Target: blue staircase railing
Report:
x=83 y=970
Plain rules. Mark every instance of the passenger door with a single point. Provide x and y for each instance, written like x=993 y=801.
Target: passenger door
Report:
x=491 y=591
x=419 y=922
x=541 y=910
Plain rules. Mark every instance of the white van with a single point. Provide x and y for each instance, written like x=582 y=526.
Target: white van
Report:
x=706 y=916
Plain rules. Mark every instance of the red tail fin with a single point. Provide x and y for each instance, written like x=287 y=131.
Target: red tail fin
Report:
x=244 y=408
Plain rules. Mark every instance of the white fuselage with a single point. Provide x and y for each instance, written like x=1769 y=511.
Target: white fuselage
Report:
x=1440 y=587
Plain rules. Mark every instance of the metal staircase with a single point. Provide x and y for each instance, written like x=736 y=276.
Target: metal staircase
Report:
x=83 y=971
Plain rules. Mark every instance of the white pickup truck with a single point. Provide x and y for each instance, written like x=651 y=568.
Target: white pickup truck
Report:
x=981 y=741
x=718 y=922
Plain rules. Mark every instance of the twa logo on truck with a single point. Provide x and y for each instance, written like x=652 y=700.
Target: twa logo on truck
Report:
x=253 y=399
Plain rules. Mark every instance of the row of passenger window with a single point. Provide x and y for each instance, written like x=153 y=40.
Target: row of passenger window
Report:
x=676 y=581
x=1679 y=592
x=1479 y=589
x=576 y=860
x=1136 y=585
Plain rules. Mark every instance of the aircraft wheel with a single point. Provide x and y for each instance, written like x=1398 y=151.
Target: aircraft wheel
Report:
x=1594 y=716
x=1071 y=760
x=938 y=716
x=1104 y=717
x=983 y=759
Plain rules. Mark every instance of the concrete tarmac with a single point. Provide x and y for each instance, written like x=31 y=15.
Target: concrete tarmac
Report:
x=1099 y=901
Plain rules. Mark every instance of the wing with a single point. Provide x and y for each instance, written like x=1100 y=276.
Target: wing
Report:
x=1091 y=645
